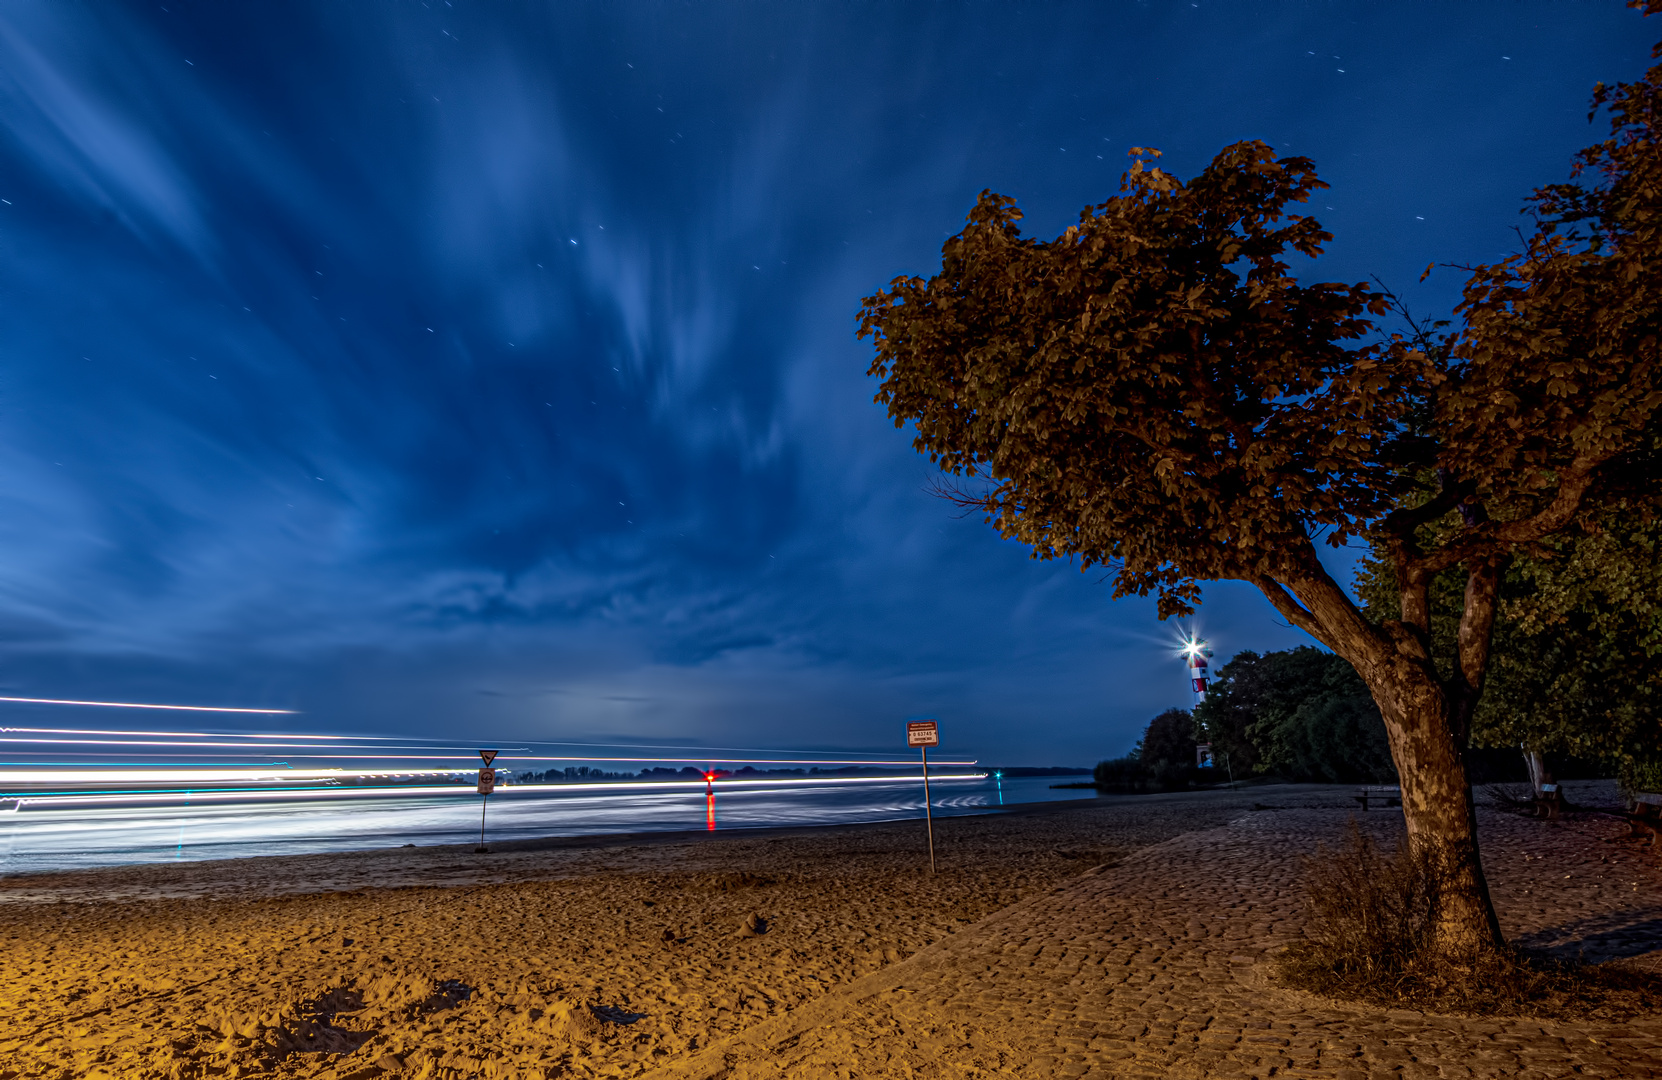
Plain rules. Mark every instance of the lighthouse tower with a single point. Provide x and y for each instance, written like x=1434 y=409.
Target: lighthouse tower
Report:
x=1195 y=652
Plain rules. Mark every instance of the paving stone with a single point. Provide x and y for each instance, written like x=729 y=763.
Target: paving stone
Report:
x=1157 y=967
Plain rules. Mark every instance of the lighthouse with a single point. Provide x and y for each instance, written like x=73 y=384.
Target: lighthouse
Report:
x=1195 y=652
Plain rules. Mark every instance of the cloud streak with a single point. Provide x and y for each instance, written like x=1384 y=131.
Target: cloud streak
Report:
x=420 y=367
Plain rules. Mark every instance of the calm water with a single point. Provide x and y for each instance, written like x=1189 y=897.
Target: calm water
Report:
x=59 y=837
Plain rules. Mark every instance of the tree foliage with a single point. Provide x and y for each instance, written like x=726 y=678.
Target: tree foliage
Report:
x=1152 y=389
x=1167 y=749
x=1155 y=391
x=1302 y=714
x=1125 y=775
x=1577 y=666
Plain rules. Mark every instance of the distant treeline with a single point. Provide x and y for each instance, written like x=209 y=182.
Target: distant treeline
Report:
x=1300 y=715
x=1035 y=770
x=583 y=773
x=588 y=774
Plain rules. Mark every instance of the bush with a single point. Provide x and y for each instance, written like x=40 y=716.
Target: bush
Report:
x=1637 y=775
x=1367 y=913
x=1167 y=751
x=1367 y=923
x=1123 y=774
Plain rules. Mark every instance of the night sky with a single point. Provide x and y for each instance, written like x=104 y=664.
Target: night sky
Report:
x=490 y=369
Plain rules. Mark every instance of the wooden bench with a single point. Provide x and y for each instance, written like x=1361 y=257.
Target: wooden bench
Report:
x=1380 y=793
x=1646 y=816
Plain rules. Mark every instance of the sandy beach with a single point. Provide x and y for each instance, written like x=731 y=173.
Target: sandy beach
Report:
x=789 y=952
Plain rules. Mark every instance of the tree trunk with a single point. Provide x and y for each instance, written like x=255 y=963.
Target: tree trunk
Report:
x=1438 y=809
x=1421 y=722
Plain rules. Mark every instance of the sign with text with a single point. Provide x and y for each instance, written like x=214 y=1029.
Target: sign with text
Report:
x=487 y=781
x=922 y=733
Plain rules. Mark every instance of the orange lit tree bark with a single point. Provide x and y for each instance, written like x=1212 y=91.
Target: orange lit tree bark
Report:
x=1154 y=392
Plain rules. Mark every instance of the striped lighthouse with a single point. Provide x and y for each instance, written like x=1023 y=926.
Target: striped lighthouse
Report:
x=1195 y=652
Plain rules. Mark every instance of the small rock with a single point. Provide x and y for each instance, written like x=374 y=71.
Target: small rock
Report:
x=753 y=926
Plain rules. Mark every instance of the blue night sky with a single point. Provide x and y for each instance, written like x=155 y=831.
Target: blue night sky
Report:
x=491 y=369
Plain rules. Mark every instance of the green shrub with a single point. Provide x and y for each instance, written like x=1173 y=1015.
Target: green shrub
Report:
x=1123 y=774
x=1167 y=751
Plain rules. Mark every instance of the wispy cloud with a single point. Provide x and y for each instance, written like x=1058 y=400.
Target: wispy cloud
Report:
x=408 y=364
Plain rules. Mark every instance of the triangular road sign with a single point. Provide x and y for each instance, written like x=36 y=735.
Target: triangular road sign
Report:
x=489 y=756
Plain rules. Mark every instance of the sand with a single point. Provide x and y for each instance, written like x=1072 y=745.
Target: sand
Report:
x=606 y=957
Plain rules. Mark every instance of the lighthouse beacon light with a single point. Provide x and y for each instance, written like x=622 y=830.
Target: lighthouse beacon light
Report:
x=1195 y=653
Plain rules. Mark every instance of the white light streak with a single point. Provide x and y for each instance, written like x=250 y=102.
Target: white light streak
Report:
x=140 y=705
x=742 y=761
x=338 y=743
x=168 y=734
x=205 y=775
x=267 y=794
x=293 y=744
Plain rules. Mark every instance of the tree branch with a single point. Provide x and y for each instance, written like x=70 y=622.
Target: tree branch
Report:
x=1403 y=521
x=1481 y=541
x=1477 y=624
x=1310 y=599
x=965 y=500
x=1291 y=609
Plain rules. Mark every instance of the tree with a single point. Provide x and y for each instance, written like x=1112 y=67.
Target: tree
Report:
x=1577 y=671
x=1155 y=392
x=1302 y=713
x=1167 y=750
x=1226 y=715
x=1122 y=774
x=1577 y=639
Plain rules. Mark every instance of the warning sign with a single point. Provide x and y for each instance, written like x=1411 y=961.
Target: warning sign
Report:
x=488 y=755
x=922 y=733
x=487 y=781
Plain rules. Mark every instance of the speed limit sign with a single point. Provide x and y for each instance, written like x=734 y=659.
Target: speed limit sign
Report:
x=487 y=781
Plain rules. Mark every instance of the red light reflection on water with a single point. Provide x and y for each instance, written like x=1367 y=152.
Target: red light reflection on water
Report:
x=710 y=800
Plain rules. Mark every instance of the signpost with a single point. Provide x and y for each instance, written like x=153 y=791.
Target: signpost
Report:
x=487 y=784
x=923 y=734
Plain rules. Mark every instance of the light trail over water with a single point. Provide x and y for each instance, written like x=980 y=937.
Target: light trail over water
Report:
x=68 y=832
x=84 y=795
x=145 y=705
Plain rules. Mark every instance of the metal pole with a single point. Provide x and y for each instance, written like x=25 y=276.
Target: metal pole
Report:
x=484 y=800
x=928 y=817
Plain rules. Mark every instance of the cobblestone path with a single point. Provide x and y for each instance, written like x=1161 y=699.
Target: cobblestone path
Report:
x=1157 y=967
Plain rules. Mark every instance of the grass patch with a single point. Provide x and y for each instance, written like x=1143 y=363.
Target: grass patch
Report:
x=1367 y=922
x=1512 y=798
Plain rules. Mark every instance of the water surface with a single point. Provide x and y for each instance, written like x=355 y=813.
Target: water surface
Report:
x=50 y=836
